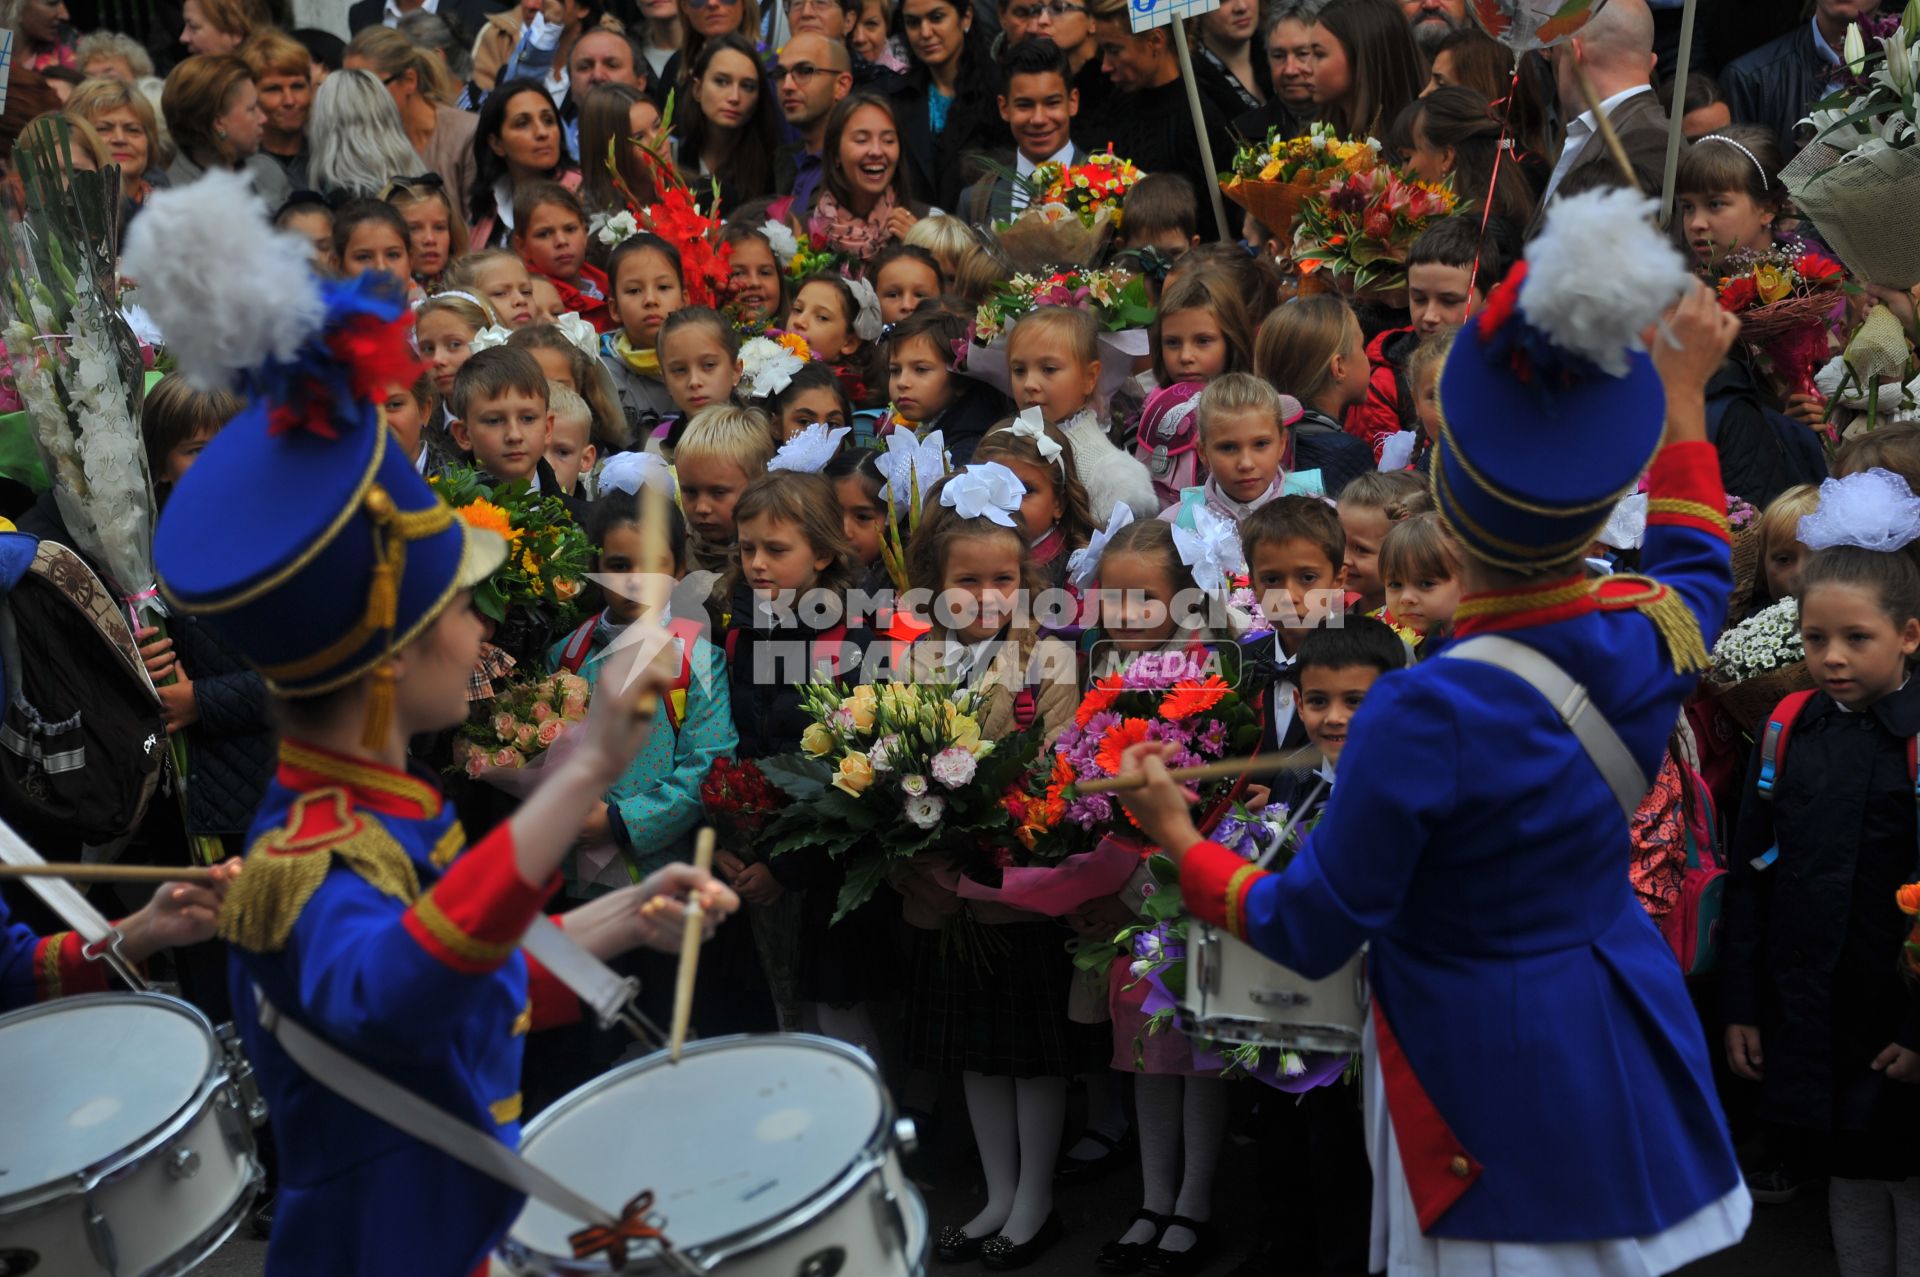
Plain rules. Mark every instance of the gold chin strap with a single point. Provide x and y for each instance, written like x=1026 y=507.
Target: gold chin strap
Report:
x=393 y=529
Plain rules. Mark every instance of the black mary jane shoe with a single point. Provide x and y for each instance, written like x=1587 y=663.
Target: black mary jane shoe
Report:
x=951 y=1245
x=1181 y=1263
x=1002 y=1255
x=1131 y=1257
x=1084 y=1170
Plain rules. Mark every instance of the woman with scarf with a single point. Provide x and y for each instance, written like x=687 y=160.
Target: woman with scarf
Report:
x=863 y=201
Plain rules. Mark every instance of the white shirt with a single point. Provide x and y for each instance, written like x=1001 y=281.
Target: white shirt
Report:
x=1578 y=134
x=1025 y=167
x=394 y=12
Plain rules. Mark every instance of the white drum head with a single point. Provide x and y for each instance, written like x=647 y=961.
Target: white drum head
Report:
x=738 y=1133
x=87 y=1077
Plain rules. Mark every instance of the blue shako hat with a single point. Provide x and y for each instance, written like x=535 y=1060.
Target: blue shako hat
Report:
x=303 y=533
x=1550 y=408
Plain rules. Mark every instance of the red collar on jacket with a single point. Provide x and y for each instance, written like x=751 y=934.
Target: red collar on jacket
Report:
x=369 y=784
x=1550 y=601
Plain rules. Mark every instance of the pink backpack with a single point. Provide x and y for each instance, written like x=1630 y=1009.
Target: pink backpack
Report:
x=1169 y=440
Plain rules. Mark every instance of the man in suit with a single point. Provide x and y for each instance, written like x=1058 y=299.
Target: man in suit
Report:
x=467 y=16
x=1038 y=103
x=1615 y=50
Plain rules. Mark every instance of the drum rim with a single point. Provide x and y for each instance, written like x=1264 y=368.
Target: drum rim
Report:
x=86 y=1179
x=745 y=1241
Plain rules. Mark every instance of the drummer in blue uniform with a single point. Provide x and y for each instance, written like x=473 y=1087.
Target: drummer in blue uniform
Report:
x=34 y=968
x=304 y=535
x=1539 y=1093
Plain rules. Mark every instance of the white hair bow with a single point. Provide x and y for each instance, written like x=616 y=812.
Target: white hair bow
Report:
x=1874 y=510
x=780 y=239
x=767 y=367
x=987 y=490
x=1083 y=565
x=626 y=471
x=1032 y=424
x=911 y=466
x=809 y=451
x=1210 y=549
x=579 y=333
x=489 y=337
x=866 y=324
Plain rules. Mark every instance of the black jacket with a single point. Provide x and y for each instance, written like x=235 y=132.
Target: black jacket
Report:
x=1154 y=129
x=1320 y=444
x=1753 y=440
x=766 y=667
x=230 y=751
x=1812 y=946
x=963 y=425
x=939 y=166
x=1775 y=84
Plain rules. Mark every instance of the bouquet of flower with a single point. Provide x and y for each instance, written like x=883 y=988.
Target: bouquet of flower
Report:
x=1271 y=180
x=537 y=592
x=1785 y=298
x=1118 y=301
x=739 y=799
x=1069 y=212
x=813 y=256
x=1361 y=225
x=1860 y=174
x=1757 y=662
x=526 y=720
x=1172 y=697
x=891 y=771
x=1087 y=190
x=675 y=216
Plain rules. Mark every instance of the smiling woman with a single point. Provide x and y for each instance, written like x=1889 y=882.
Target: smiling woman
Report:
x=865 y=199
x=124 y=120
x=518 y=140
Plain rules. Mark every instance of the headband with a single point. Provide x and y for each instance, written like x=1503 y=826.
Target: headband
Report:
x=809 y=451
x=1874 y=510
x=1765 y=183
x=986 y=490
x=458 y=295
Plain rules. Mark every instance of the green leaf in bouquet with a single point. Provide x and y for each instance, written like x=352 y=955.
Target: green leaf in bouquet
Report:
x=798 y=776
x=864 y=877
x=837 y=805
x=797 y=838
x=1174 y=976
x=1165 y=872
x=488 y=600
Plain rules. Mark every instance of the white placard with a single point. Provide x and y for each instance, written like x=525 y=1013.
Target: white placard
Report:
x=6 y=65
x=1145 y=15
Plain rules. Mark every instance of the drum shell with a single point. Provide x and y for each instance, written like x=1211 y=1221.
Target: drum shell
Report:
x=156 y=1207
x=868 y=1222
x=1237 y=995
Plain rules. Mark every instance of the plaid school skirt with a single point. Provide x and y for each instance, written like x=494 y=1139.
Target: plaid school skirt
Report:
x=993 y=1000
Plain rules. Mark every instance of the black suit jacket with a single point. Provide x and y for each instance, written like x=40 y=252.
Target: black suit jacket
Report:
x=1775 y=84
x=468 y=15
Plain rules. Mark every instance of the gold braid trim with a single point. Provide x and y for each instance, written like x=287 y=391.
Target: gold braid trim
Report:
x=283 y=871
x=1507 y=604
x=1679 y=627
x=1236 y=925
x=448 y=933
x=451 y=844
x=1692 y=509
x=507 y=1110
x=50 y=962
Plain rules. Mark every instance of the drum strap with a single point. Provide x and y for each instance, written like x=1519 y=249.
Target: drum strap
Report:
x=101 y=937
x=1576 y=709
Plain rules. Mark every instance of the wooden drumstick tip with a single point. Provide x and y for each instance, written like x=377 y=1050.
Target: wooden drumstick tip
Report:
x=689 y=949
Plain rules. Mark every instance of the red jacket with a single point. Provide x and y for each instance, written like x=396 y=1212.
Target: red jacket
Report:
x=594 y=310
x=1383 y=414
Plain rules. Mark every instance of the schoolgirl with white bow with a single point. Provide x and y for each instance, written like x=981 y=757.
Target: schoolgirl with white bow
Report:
x=998 y=1014
x=927 y=389
x=1817 y=1011
x=839 y=316
x=1053 y=364
x=1054 y=514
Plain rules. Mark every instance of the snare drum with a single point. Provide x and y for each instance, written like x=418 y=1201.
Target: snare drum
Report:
x=1236 y=995
x=768 y=1156
x=125 y=1146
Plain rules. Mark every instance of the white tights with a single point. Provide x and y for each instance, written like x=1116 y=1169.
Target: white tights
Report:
x=1016 y=1126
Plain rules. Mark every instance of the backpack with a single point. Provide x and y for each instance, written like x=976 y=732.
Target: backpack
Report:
x=1168 y=442
x=1692 y=926
x=83 y=735
x=1773 y=755
x=579 y=646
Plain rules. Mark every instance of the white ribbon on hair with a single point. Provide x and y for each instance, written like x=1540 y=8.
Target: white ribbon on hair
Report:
x=809 y=451
x=866 y=324
x=767 y=367
x=1084 y=565
x=1210 y=549
x=1032 y=424
x=489 y=337
x=579 y=333
x=626 y=471
x=987 y=490
x=1874 y=510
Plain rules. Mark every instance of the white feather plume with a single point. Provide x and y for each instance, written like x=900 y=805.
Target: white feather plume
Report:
x=228 y=291
x=1599 y=274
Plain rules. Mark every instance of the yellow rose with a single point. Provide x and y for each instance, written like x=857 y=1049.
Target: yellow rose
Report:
x=855 y=774
x=1271 y=171
x=816 y=741
x=1770 y=283
x=863 y=704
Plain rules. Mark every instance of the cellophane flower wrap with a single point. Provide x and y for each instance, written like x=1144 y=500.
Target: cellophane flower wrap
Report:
x=540 y=590
x=1361 y=226
x=1786 y=299
x=1272 y=179
x=1117 y=300
x=522 y=723
x=1175 y=697
x=891 y=771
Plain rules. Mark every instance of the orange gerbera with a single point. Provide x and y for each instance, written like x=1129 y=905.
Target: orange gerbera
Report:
x=1189 y=698
x=1098 y=698
x=485 y=514
x=1126 y=732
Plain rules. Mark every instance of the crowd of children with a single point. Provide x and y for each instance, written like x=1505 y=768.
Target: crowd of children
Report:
x=1271 y=453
